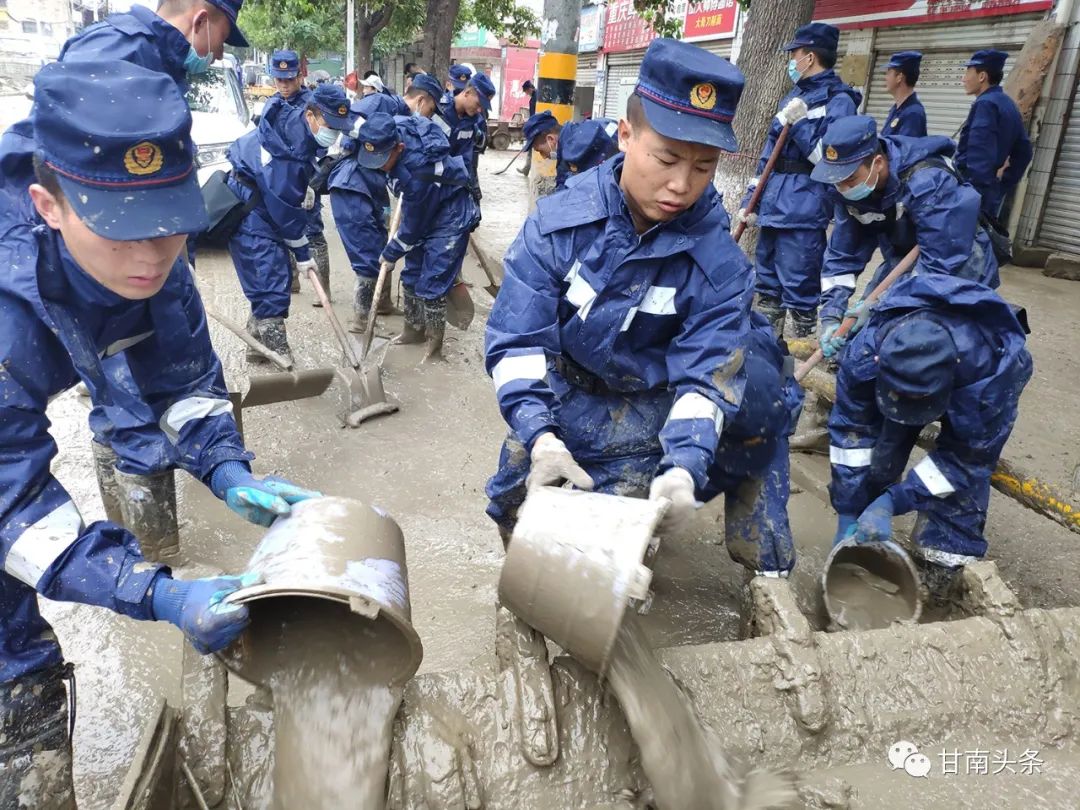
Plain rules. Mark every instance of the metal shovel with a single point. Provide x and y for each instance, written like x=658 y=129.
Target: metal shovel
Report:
x=364 y=397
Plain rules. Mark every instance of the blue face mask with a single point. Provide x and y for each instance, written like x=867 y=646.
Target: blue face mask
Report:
x=793 y=71
x=861 y=191
x=195 y=64
x=326 y=137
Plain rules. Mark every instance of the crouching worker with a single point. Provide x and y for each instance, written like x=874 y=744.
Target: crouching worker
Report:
x=117 y=194
x=937 y=347
x=271 y=168
x=583 y=145
x=622 y=347
x=438 y=213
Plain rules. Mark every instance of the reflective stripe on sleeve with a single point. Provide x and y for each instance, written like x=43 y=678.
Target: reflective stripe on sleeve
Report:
x=933 y=478
x=847 y=280
x=851 y=456
x=126 y=343
x=404 y=245
x=696 y=406
x=519 y=367
x=817 y=112
x=946 y=558
x=42 y=544
x=184 y=411
x=816 y=155
x=296 y=243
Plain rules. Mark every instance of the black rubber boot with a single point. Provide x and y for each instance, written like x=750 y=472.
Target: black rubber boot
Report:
x=773 y=311
x=105 y=470
x=804 y=322
x=35 y=741
x=363 y=295
x=414 y=320
x=272 y=335
x=320 y=252
x=148 y=506
x=253 y=356
x=434 y=329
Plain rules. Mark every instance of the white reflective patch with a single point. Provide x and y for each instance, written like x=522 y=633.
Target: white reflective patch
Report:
x=696 y=406
x=519 y=367
x=296 y=243
x=817 y=112
x=753 y=183
x=264 y=156
x=572 y=273
x=659 y=301
x=847 y=280
x=41 y=544
x=629 y=319
x=441 y=123
x=184 y=411
x=866 y=217
x=946 y=558
x=464 y=134
x=611 y=128
x=126 y=343
x=815 y=156
x=404 y=245
x=438 y=168
x=581 y=295
x=933 y=478
x=851 y=456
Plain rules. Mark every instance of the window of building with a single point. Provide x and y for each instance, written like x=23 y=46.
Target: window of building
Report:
x=29 y=26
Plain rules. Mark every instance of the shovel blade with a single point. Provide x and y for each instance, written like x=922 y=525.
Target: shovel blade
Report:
x=287 y=386
x=363 y=396
x=459 y=306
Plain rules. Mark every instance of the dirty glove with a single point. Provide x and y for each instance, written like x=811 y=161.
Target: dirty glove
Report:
x=677 y=485
x=553 y=464
x=875 y=523
x=794 y=112
x=844 y=526
x=749 y=220
x=828 y=340
x=258 y=501
x=303 y=267
x=198 y=608
x=861 y=313
x=309 y=199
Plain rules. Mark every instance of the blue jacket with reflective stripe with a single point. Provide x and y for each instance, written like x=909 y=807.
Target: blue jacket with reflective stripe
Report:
x=460 y=131
x=793 y=200
x=434 y=188
x=666 y=310
x=56 y=324
x=930 y=208
x=994 y=368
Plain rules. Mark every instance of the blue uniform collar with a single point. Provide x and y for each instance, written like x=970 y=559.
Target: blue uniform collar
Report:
x=817 y=80
x=912 y=99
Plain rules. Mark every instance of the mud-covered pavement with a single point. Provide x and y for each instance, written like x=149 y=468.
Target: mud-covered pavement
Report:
x=427 y=466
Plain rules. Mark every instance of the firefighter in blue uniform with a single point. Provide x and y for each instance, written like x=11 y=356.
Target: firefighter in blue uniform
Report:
x=131 y=457
x=104 y=270
x=794 y=210
x=460 y=116
x=907 y=116
x=622 y=346
x=993 y=150
x=583 y=145
x=277 y=161
x=890 y=193
x=423 y=95
x=438 y=214
x=937 y=348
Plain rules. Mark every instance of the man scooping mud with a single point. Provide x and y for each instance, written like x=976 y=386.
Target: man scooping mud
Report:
x=622 y=346
x=117 y=195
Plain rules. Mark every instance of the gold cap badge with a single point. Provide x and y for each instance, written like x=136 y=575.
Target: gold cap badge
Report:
x=143 y=158
x=283 y=65
x=831 y=153
x=369 y=146
x=703 y=96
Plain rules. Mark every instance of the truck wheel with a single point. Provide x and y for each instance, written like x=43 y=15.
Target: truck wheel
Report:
x=500 y=141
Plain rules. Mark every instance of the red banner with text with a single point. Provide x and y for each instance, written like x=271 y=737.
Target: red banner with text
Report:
x=872 y=13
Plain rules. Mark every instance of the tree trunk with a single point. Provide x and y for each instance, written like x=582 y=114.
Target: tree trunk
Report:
x=365 y=41
x=770 y=24
x=438 y=36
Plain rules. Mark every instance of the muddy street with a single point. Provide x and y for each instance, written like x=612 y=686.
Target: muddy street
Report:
x=427 y=465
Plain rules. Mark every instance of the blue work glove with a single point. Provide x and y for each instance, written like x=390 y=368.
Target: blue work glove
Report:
x=258 y=500
x=844 y=526
x=860 y=311
x=875 y=523
x=198 y=608
x=828 y=341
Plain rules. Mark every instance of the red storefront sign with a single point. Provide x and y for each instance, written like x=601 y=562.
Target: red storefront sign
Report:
x=625 y=30
x=872 y=13
x=711 y=19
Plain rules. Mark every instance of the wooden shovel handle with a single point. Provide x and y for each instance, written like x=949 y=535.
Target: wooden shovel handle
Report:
x=759 y=189
x=384 y=271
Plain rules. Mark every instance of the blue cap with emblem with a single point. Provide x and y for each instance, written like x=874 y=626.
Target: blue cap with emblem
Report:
x=536 y=125
x=231 y=9
x=484 y=89
x=987 y=60
x=334 y=106
x=847 y=143
x=284 y=64
x=917 y=364
x=905 y=60
x=375 y=139
x=459 y=76
x=589 y=143
x=428 y=84
x=118 y=138
x=815 y=35
x=689 y=94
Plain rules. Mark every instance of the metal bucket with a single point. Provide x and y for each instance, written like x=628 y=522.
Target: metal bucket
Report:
x=340 y=558
x=869 y=586
x=573 y=564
